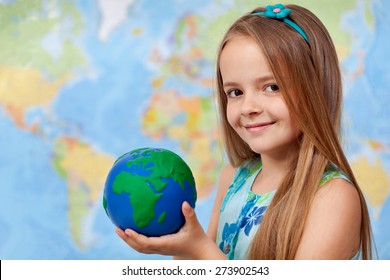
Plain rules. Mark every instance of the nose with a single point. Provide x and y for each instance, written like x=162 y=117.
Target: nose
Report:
x=251 y=104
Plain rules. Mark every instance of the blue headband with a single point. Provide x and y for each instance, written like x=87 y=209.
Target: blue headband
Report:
x=279 y=12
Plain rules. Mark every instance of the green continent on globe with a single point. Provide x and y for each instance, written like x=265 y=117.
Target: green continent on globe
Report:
x=142 y=198
x=145 y=191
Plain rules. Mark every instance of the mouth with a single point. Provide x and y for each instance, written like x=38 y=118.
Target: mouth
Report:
x=258 y=127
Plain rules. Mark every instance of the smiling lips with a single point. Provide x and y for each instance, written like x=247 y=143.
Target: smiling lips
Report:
x=258 y=127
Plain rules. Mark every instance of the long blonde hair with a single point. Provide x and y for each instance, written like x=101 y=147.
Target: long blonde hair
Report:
x=309 y=78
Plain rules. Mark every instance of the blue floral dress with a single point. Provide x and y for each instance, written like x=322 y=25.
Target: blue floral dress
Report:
x=242 y=210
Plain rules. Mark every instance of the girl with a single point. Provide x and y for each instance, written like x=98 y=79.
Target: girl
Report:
x=288 y=192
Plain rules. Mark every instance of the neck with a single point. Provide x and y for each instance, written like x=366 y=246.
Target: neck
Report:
x=274 y=170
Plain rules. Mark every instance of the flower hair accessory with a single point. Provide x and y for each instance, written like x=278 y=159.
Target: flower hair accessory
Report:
x=281 y=13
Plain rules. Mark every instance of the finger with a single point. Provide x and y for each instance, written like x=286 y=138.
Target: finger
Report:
x=127 y=236
x=144 y=244
x=189 y=214
x=132 y=239
x=121 y=233
x=187 y=209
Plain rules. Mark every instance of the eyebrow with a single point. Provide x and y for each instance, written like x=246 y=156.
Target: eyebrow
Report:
x=229 y=84
x=263 y=78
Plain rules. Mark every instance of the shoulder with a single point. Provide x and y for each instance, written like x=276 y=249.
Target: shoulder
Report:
x=337 y=195
x=226 y=177
x=332 y=228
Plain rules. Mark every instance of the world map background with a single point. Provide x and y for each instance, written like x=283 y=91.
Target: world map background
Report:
x=83 y=82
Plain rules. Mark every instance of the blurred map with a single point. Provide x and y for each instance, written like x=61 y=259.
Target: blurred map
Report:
x=83 y=82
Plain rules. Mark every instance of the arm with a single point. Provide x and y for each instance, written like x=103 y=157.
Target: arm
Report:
x=332 y=228
x=225 y=180
x=191 y=242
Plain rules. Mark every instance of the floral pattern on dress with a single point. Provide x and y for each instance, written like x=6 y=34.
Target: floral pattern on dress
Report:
x=228 y=235
x=239 y=180
x=251 y=215
x=253 y=218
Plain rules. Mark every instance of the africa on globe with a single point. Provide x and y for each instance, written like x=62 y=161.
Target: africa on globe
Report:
x=145 y=190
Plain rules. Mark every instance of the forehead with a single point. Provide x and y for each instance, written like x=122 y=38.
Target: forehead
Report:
x=242 y=56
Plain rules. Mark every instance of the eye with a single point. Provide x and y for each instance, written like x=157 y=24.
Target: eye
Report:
x=272 y=88
x=234 y=93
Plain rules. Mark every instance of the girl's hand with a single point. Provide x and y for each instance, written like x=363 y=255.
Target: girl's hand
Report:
x=190 y=242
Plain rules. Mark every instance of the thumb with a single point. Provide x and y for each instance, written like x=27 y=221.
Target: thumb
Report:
x=189 y=214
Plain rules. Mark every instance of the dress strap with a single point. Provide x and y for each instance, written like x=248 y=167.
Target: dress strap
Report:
x=333 y=172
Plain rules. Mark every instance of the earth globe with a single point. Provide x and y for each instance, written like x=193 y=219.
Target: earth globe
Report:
x=145 y=190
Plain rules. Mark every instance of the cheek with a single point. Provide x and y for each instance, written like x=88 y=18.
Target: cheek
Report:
x=229 y=114
x=295 y=130
x=293 y=126
x=284 y=114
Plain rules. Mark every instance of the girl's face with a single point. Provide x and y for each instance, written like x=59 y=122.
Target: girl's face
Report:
x=256 y=109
